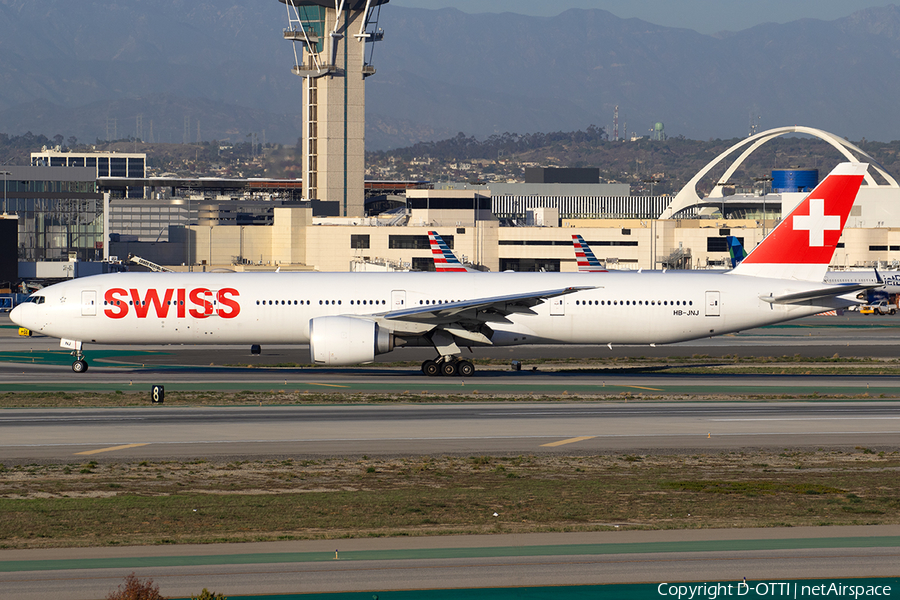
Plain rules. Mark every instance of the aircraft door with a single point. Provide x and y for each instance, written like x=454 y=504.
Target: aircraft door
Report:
x=398 y=299
x=713 y=304
x=88 y=303
x=558 y=306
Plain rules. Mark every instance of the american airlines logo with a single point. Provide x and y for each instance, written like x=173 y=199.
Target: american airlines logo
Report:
x=817 y=222
x=199 y=303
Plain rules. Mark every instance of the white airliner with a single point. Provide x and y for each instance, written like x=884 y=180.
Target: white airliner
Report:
x=348 y=318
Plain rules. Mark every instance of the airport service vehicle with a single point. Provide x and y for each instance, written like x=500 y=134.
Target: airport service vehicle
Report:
x=882 y=307
x=349 y=318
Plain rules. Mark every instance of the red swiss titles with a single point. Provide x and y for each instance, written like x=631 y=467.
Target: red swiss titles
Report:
x=199 y=303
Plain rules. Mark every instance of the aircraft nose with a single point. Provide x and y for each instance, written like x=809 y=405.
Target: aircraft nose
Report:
x=20 y=315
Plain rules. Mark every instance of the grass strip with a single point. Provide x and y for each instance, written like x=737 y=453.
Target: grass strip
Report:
x=296 y=394
x=91 y=504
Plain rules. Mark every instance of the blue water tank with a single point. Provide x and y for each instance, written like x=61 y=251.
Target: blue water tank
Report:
x=794 y=180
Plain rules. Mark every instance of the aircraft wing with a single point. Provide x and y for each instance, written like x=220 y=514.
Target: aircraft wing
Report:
x=827 y=292
x=497 y=305
x=447 y=323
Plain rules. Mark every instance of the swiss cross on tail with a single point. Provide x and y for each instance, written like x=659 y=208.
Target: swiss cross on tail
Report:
x=802 y=245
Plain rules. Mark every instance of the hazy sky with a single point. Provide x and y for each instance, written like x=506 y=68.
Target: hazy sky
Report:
x=705 y=16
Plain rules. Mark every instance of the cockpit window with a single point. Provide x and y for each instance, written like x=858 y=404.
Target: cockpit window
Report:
x=36 y=299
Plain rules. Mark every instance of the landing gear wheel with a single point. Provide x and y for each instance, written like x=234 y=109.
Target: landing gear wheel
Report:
x=431 y=368
x=79 y=366
x=465 y=368
x=448 y=368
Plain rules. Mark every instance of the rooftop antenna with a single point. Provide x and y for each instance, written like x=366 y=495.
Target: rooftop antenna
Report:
x=616 y=124
x=754 y=123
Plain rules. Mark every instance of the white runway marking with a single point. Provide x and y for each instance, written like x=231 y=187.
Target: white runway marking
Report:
x=702 y=434
x=873 y=418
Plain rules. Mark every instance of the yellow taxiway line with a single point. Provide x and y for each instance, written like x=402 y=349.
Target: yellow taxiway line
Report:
x=110 y=449
x=568 y=441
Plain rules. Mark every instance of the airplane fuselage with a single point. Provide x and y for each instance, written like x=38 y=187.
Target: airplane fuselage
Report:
x=276 y=308
x=349 y=318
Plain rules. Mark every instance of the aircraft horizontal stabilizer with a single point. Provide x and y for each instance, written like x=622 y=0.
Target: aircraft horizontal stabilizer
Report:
x=829 y=292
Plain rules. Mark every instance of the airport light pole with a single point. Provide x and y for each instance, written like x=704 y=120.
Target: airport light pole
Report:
x=6 y=175
x=722 y=185
x=765 y=181
x=653 y=217
x=651 y=181
x=188 y=231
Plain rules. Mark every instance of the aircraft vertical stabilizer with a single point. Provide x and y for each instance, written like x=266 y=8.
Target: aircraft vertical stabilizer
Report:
x=802 y=245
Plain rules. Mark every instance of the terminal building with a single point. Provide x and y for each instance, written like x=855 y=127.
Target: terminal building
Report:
x=116 y=165
x=236 y=224
x=60 y=212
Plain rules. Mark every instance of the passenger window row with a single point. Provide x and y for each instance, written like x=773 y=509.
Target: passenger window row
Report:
x=634 y=303
x=321 y=302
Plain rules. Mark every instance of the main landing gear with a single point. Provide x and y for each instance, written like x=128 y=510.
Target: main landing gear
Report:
x=448 y=366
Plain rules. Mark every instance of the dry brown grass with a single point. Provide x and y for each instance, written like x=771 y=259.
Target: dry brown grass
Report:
x=169 y=502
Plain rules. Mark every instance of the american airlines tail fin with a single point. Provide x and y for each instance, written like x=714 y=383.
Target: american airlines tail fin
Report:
x=802 y=245
x=444 y=259
x=585 y=256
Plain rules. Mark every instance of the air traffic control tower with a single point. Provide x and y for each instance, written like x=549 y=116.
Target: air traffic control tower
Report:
x=333 y=44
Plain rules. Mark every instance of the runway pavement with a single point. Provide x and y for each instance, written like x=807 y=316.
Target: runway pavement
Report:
x=39 y=364
x=377 y=566
x=183 y=433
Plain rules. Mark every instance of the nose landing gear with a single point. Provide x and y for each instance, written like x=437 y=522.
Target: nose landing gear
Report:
x=80 y=365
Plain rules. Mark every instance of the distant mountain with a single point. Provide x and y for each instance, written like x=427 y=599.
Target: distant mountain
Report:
x=156 y=118
x=568 y=71
x=224 y=63
x=72 y=67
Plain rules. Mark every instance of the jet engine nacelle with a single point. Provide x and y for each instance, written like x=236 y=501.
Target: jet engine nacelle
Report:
x=341 y=341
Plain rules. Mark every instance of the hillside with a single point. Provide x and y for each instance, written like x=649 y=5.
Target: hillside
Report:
x=90 y=69
x=673 y=161
x=497 y=158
